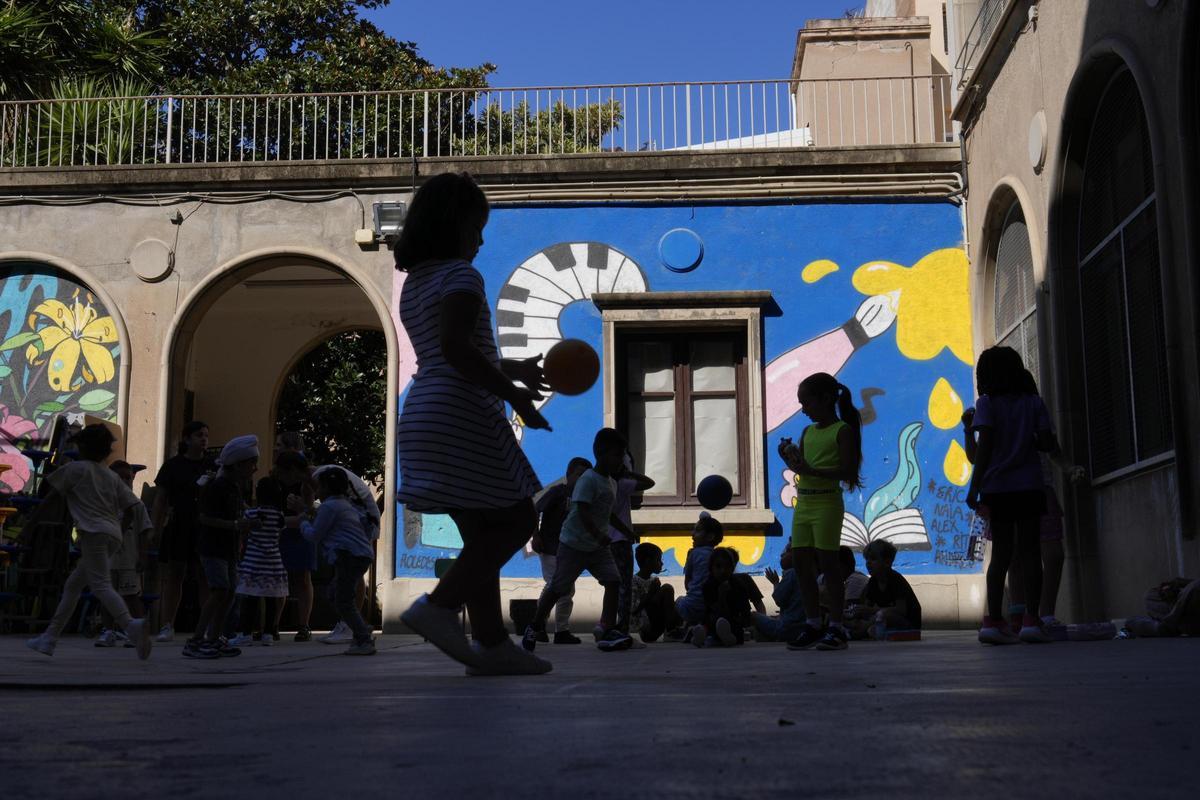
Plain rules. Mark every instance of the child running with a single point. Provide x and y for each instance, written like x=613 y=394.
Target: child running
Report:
x=261 y=572
x=130 y=561
x=829 y=454
x=583 y=545
x=338 y=527
x=553 y=507
x=97 y=499
x=1013 y=427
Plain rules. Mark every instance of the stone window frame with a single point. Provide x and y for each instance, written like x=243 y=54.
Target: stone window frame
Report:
x=736 y=309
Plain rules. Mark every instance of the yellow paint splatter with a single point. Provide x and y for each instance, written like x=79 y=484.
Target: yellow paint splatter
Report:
x=956 y=466
x=817 y=270
x=945 y=406
x=750 y=549
x=933 y=309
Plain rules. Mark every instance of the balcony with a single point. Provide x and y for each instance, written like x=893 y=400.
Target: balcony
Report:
x=354 y=127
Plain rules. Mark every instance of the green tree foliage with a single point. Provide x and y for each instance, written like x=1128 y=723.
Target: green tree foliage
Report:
x=286 y=46
x=526 y=130
x=337 y=397
x=46 y=42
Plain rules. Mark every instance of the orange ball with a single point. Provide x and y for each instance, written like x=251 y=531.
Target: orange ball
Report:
x=571 y=367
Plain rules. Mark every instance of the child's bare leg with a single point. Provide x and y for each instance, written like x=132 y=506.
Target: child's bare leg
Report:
x=1052 y=569
x=612 y=597
x=1029 y=547
x=546 y=602
x=834 y=584
x=805 y=564
x=1002 y=552
x=1016 y=581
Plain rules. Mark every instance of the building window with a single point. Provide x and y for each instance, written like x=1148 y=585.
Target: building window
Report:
x=1124 y=348
x=683 y=379
x=1015 y=310
x=682 y=402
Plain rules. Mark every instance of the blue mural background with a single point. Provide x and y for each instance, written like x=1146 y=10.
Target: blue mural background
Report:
x=757 y=247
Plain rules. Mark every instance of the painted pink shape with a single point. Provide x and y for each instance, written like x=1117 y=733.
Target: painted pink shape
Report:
x=829 y=352
x=406 y=360
x=12 y=430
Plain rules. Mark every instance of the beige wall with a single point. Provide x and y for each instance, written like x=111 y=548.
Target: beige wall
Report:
x=1128 y=534
x=866 y=81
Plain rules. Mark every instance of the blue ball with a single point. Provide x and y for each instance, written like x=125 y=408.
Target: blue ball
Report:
x=714 y=492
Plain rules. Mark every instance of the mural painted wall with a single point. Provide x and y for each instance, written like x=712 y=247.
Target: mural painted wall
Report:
x=874 y=293
x=59 y=353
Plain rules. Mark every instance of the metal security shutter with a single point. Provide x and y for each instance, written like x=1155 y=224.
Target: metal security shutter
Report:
x=1127 y=388
x=1016 y=293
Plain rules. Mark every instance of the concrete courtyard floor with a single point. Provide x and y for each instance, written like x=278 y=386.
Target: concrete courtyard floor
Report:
x=943 y=718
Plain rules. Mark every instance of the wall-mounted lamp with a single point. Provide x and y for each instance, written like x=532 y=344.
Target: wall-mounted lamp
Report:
x=389 y=219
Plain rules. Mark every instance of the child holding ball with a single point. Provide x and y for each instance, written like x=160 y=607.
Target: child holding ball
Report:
x=829 y=455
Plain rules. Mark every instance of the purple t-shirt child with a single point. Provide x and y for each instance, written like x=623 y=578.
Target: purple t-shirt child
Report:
x=1015 y=420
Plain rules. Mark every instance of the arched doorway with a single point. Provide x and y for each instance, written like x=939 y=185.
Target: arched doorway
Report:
x=241 y=335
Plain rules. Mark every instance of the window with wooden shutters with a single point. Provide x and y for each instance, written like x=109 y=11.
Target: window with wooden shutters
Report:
x=682 y=399
x=1016 y=292
x=1126 y=381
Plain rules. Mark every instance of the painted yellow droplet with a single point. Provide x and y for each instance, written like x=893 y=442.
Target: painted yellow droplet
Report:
x=956 y=466
x=678 y=545
x=945 y=406
x=817 y=270
x=749 y=548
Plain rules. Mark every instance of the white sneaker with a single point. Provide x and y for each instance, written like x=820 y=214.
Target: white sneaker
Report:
x=138 y=631
x=364 y=649
x=506 y=658
x=241 y=640
x=441 y=627
x=107 y=638
x=165 y=634
x=341 y=634
x=1034 y=634
x=991 y=634
x=43 y=644
x=725 y=633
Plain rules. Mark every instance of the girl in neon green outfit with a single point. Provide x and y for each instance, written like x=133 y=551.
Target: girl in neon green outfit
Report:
x=829 y=455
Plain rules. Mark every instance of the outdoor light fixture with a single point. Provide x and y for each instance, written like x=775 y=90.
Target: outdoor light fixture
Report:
x=389 y=219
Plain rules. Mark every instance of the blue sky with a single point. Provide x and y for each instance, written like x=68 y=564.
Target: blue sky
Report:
x=618 y=41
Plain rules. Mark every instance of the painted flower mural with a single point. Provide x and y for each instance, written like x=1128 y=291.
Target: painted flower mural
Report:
x=59 y=354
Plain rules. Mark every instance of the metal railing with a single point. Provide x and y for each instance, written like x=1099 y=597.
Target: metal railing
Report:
x=231 y=129
x=978 y=36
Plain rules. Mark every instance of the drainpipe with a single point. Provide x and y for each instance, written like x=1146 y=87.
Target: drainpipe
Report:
x=912 y=84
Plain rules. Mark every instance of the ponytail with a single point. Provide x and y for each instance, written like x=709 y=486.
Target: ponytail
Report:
x=850 y=415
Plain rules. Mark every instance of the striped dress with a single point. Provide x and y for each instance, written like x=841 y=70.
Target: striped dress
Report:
x=456 y=448
x=261 y=572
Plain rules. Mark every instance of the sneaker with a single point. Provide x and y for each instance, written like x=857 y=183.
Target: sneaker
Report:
x=697 y=635
x=676 y=635
x=138 y=631
x=107 y=638
x=808 y=637
x=267 y=640
x=441 y=627
x=165 y=634
x=241 y=640
x=125 y=640
x=303 y=635
x=615 y=639
x=542 y=636
x=505 y=658
x=834 y=639
x=529 y=639
x=1033 y=633
x=225 y=649
x=993 y=632
x=725 y=633
x=566 y=637
x=366 y=648
x=204 y=650
x=341 y=634
x=598 y=633
x=43 y=644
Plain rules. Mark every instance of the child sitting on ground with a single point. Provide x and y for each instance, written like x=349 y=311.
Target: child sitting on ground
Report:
x=653 y=602
x=888 y=599
x=583 y=545
x=707 y=533
x=786 y=595
x=746 y=581
x=727 y=607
